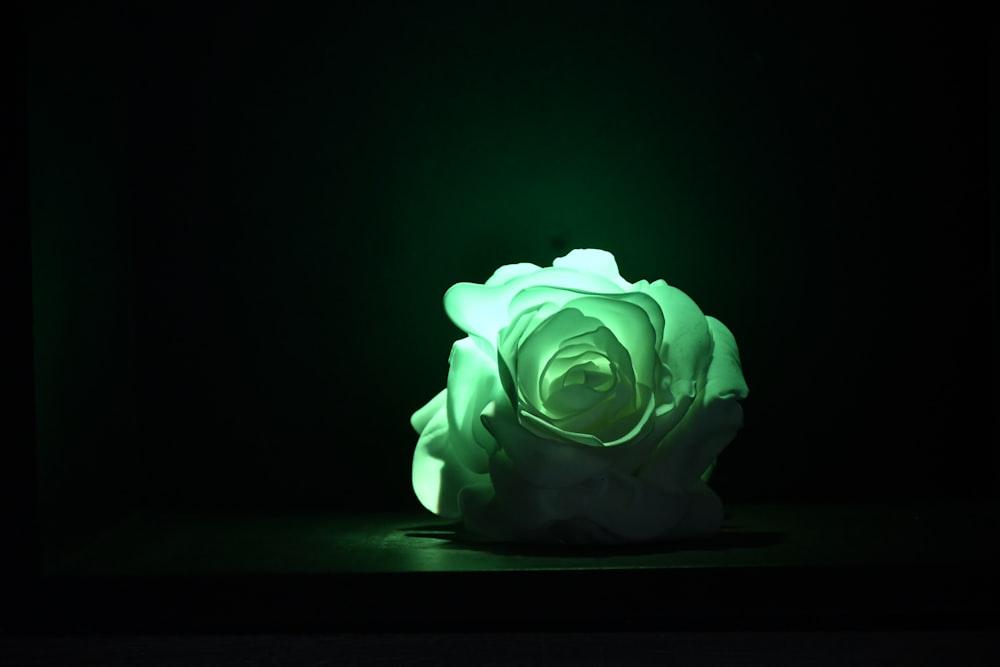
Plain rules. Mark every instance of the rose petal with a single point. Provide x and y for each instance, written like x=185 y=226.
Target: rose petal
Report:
x=610 y=413
x=508 y=272
x=687 y=342
x=662 y=422
x=592 y=260
x=627 y=316
x=524 y=506
x=531 y=297
x=472 y=383
x=508 y=341
x=687 y=451
x=635 y=511
x=611 y=507
x=574 y=401
x=631 y=326
x=540 y=461
x=625 y=506
x=482 y=514
x=482 y=309
x=438 y=477
x=725 y=375
x=423 y=415
x=540 y=346
x=576 y=367
x=555 y=431
x=637 y=450
x=710 y=424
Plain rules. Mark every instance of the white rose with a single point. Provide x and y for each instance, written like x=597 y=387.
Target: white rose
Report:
x=580 y=408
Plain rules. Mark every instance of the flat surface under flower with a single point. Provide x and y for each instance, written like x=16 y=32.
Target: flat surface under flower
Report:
x=752 y=536
x=775 y=567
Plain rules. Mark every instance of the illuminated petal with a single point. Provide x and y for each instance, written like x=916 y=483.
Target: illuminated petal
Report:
x=591 y=260
x=540 y=461
x=508 y=341
x=423 y=415
x=472 y=383
x=540 y=346
x=482 y=310
x=611 y=435
x=437 y=476
x=630 y=323
x=508 y=272
x=710 y=424
x=531 y=297
x=725 y=374
x=687 y=343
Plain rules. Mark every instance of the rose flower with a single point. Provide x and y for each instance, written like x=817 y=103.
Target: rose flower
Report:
x=580 y=408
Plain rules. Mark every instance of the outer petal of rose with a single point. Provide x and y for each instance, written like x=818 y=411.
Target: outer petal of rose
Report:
x=482 y=515
x=508 y=341
x=725 y=374
x=482 y=309
x=633 y=510
x=438 y=477
x=508 y=272
x=612 y=507
x=687 y=452
x=522 y=506
x=472 y=383
x=509 y=508
x=531 y=297
x=687 y=341
x=540 y=461
x=709 y=425
x=592 y=260
x=638 y=452
x=546 y=429
x=422 y=416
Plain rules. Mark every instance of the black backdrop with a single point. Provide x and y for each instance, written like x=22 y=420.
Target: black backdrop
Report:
x=244 y=217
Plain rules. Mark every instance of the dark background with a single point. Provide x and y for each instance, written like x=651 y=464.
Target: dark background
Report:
x=244 y=217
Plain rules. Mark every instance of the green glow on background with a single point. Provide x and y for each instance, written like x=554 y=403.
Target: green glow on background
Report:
x=239 y=252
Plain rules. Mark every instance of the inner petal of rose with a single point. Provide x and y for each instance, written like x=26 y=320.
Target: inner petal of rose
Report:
x=588 y=386
x=589 y=368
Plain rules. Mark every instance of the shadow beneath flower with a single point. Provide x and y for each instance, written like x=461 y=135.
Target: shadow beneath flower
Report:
x=454 y=536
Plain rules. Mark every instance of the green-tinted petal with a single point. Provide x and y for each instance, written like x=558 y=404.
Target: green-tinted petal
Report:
x=689 y=449
x=482 y=310
x=709 y=425
x=508 y=341
x=508 y=272
x=725 y=374
x=559 y=298
x=438 y=477
x=540 y=346
x=423 y=415
x=687 y=342
x=613 y=433
x=472 y=383
x=543 y=462
x=630 y=325
x=590 y=260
